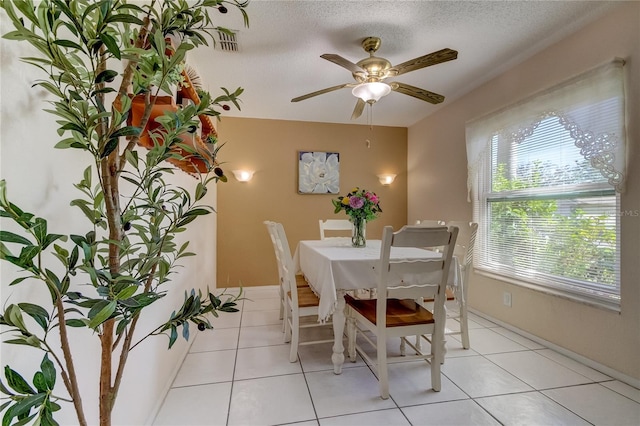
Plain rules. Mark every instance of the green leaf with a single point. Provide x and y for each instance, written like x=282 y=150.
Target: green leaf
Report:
x=131 y=19
x=109 y=147
x=127 y=131
x=63 y=252
x=76 y=323
x=74 y=257
x=48 y=371
x=112 y=45
x=10 y=237
x=25 y=405
x=121 y=326
x=40 y=230
x=39 y=382
x=13 y=316
x=106 y=76
x=50 y=238
x=132 y=158
x=197 y=212
x=173 y=336
x=38 y=313
x=16 y=382
x=25 y=420
x=185 y=221
x=17 y=281
x=67 y=43
x=5 y=391
x=103 y=90
x=76 y=127
x=86 y=176
x=82 y=204
x=127 y=292
x=201 y=191
x=53 y=279
x=103 y=315
x=23 y=340
x=27 y=254
x=185 y=331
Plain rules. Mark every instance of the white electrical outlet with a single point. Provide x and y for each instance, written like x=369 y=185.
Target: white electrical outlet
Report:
x=506 y=298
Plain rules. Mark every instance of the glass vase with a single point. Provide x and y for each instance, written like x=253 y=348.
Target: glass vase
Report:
x=358 y=232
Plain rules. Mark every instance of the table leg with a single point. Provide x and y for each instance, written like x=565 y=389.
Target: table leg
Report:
x=338 y=332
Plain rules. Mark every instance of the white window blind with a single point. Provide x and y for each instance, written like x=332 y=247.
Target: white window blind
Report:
x=544 y=178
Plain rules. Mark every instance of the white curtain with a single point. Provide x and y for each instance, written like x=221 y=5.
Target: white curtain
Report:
x=579 y=104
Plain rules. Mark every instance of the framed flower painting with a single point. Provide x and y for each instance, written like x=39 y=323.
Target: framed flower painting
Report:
x=318 y=172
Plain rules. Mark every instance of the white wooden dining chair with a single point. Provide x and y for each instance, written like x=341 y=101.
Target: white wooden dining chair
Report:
x=299 y=301
x=396 y=312
x=335 y=225
x=300 y=280
x=463 y=252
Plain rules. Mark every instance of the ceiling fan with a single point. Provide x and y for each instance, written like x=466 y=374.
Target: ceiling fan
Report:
x=371 y=72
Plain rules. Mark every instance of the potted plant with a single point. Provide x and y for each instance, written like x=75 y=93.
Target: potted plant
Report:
x=96 y=56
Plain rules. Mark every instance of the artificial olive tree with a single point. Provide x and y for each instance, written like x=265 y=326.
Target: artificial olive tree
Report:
x=95 y=56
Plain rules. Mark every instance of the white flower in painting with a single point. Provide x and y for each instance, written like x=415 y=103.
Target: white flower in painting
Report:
x=319 y=173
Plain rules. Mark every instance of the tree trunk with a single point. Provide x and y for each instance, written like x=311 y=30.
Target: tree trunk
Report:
x=110 y=174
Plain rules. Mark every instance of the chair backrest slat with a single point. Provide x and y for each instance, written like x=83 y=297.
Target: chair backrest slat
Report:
x=429 y=222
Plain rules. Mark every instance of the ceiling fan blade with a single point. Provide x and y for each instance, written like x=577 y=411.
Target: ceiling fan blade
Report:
x=357 y=111
x=417 y=92
x=434 y=58
x=320 y=92
x=345 y=63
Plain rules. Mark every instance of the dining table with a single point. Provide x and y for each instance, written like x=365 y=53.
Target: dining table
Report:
x=333 y=267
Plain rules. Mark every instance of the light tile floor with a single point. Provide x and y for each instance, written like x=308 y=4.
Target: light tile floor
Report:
x=240 y=374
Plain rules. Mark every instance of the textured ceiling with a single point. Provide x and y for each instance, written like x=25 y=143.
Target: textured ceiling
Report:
x=279 y=55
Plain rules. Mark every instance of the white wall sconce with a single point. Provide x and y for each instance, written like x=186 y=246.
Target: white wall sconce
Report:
x=243 y=175
x=387 y=179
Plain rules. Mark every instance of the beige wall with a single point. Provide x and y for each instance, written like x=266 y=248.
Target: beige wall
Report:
x=270 y=147
x=437 y=171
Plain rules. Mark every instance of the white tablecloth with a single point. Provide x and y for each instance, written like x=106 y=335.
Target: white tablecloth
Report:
x=332 y=265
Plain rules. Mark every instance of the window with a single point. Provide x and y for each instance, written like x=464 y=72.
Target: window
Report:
x=545 y=177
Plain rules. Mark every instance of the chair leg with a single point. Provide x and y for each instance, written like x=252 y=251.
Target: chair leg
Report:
x=295 y=332
x=383 y=371
x=418 y=339
x=464 y=325
x=351 y=337
x=287 y=322
x=437 y=358
x=436 y=380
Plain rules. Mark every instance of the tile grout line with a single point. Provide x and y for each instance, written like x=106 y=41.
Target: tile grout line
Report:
x=235 y=364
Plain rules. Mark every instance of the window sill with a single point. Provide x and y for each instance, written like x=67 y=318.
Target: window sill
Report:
x=573 y=297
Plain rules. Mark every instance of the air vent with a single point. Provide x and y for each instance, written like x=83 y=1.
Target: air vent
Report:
x=228 y=42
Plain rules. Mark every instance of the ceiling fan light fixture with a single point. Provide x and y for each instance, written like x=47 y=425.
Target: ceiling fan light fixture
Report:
x=371 y=92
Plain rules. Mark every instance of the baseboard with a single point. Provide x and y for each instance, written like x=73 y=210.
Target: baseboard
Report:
x=631 y=381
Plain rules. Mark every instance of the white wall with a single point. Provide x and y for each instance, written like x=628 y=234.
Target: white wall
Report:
x=39 y=180
x=437 y=190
